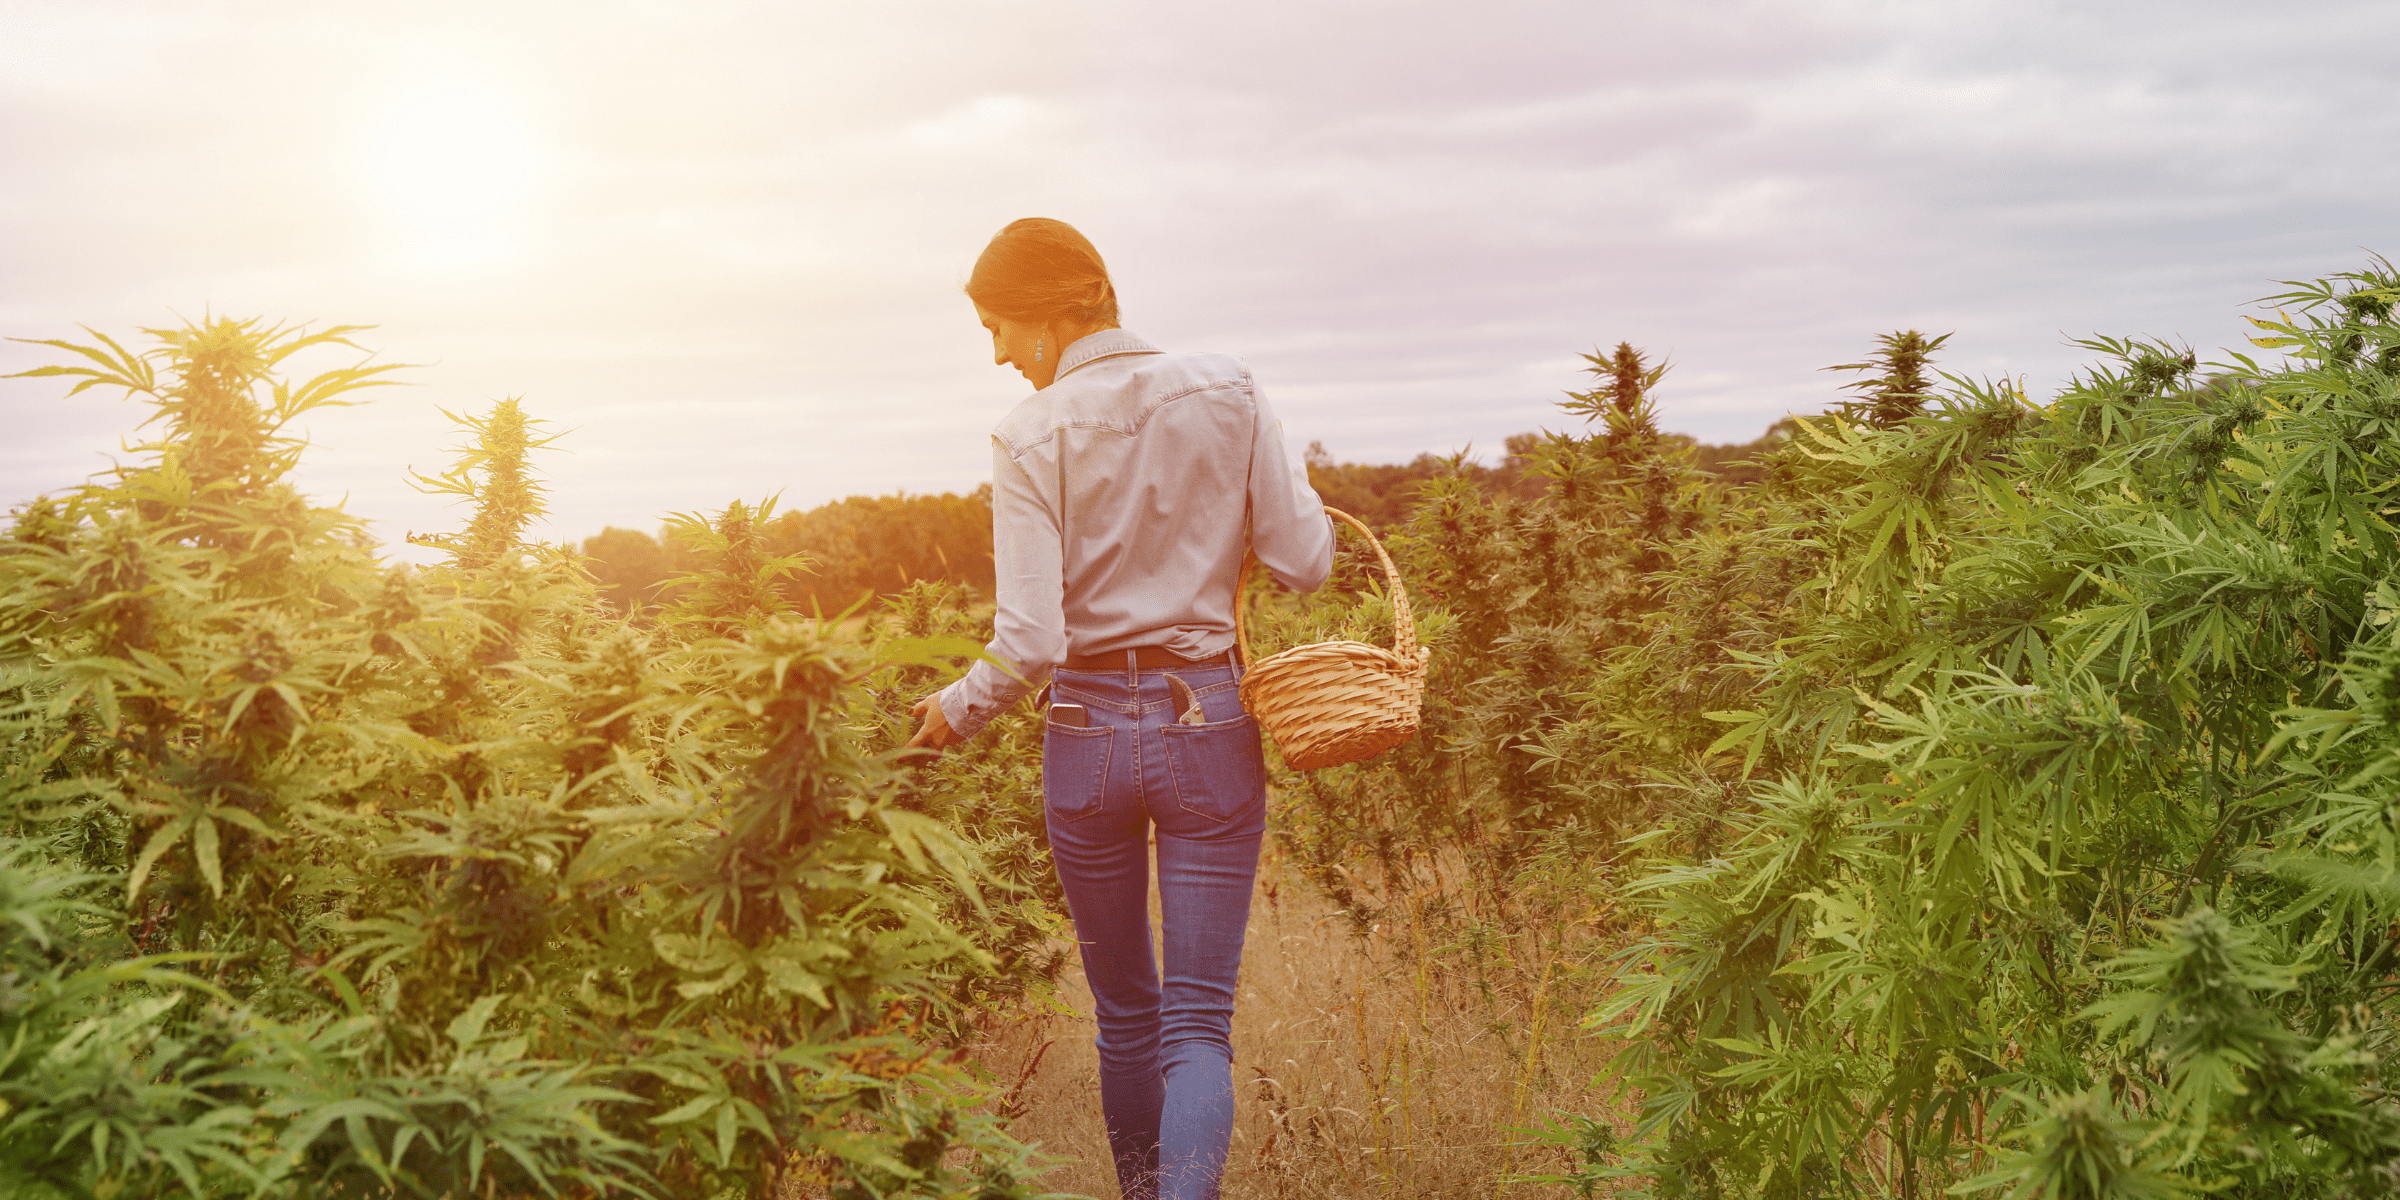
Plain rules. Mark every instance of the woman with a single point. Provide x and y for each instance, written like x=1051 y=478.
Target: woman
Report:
x=1124 y=491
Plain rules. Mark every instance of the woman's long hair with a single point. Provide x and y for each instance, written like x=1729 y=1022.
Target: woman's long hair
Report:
x=1038 y=269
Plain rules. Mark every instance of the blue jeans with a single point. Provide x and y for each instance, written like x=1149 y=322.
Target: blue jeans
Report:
x=1166 y=1058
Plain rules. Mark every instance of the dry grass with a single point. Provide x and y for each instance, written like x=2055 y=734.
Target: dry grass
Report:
x=1391 y=1064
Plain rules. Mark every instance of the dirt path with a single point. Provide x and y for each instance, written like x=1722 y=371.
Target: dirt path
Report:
x=1374 y=1066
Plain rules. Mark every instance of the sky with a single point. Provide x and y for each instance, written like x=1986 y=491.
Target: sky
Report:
x=720 y=245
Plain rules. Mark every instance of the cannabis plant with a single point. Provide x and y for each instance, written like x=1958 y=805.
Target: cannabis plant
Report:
x=326 y=877
x=2057 y=864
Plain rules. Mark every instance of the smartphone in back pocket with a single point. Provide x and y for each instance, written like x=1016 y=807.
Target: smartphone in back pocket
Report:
x=1070 y=714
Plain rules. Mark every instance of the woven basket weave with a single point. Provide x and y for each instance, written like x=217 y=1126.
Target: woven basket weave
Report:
x=1330 y=703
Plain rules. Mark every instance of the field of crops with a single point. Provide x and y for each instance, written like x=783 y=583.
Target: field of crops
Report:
x=1960 y=792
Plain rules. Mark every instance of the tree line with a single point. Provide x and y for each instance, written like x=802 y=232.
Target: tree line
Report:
x=861 y=547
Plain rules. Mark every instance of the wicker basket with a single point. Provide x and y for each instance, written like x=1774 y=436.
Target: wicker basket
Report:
x=1331 y=703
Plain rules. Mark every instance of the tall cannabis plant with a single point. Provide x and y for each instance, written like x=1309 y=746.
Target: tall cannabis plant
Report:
x=1525 y=590
x=494 y=474
x=1897 y=386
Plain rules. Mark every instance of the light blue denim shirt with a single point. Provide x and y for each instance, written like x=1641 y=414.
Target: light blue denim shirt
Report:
x=1171 y=463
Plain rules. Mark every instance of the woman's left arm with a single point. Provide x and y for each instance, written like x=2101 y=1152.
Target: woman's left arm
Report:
x=1289 y=530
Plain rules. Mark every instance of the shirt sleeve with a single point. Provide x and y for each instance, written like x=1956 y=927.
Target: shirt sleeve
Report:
x=1029 y=632
x=1289 y=530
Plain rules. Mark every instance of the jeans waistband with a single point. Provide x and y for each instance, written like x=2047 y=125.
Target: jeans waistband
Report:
x=1152 y=657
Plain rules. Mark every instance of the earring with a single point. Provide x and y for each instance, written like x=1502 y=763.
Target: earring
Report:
x=1037 y=350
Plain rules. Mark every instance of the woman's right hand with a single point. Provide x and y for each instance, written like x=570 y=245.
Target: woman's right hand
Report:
x=933 y=729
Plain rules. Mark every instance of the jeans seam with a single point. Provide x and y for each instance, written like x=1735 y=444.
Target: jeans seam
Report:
x=1141 y=790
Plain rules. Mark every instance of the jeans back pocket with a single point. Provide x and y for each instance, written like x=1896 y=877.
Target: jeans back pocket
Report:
x=1075 y=768
x=1218 y=768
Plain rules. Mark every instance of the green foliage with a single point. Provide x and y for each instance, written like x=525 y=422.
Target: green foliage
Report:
x=736 y=578
x=2079 y=1147
x=2052 y=862
x=1526 y=586
x=1989 y=797
x=328 y=878
x=1999 y=796
x=989 y=791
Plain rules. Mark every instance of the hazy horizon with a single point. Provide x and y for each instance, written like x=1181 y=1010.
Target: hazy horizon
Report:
x=722 y=243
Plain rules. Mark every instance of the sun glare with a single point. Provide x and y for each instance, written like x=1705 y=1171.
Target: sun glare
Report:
x=453 y=165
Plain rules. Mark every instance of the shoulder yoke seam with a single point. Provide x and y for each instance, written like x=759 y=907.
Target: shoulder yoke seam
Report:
x=1018 y=452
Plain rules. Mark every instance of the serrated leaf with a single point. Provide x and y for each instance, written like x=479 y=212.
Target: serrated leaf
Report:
x=204 y=849
x=689 y=1110
x=467 y=1027
x=158 y=845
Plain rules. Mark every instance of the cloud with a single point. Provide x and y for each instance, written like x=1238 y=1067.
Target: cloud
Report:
x=723 y=243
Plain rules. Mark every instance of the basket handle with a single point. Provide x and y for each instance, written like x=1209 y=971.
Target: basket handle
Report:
x=1404 y=622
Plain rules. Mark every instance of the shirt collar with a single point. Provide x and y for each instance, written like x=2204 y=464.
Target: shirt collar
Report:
x=1108 y=343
